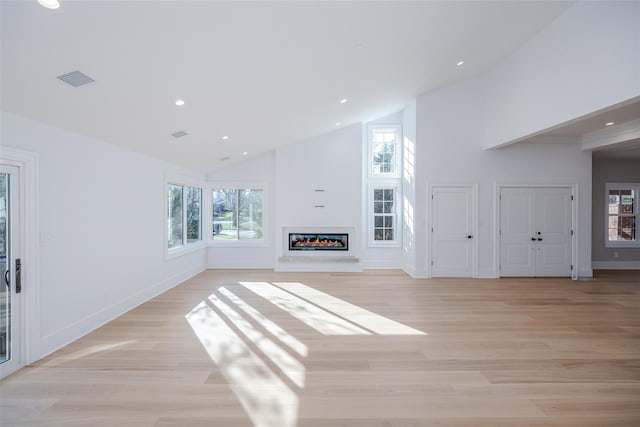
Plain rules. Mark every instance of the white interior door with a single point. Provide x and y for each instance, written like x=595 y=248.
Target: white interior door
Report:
x=535 y=232
x=452 y=231
x=517 y=232
x=10 y=283
x=553 y=234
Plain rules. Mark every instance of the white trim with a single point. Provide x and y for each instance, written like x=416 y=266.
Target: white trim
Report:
x=634 y=186
x=72 y=332
x=381 y=265
x=474 y=224
x=574 y=222
x=28 y=163
x=615 y=265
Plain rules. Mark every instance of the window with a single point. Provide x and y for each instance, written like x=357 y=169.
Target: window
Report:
x=174 y=215
x=237 y=214
x=384 y=152
x=622 y=215
x=384 y=217
x=384 y=148
x=194 y=214
x=184 y=215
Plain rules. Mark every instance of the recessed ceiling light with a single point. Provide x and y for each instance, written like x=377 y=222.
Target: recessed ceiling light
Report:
x=244 y=153
x=179 y=102
x=343 y=100
x=49 y=4
x=338 y=123
x=225 y=137
x=460 y=63
x=609 y=124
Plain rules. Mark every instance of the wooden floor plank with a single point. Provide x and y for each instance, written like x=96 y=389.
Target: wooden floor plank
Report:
x=463 y=352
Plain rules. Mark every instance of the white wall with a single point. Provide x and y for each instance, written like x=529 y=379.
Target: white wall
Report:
x=258 y=170
x=586 y=60
x=331 y=163
x=103 y=228
x=409 y=187
x=604 y=171
x=449 y=151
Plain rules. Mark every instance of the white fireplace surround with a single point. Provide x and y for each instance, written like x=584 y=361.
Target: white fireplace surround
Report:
x=319 y=256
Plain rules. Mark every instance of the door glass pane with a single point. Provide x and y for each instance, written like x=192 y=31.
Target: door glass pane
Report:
x=5 y=294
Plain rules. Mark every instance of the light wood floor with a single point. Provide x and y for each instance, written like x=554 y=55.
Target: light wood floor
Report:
x=214 y=352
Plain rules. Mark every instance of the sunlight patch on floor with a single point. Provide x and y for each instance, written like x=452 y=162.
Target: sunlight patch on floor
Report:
x=325 y=313
x=268 y=401
x=58 y=360
x=275 y=330
x=289 y=365
x=256 y=356
x=313 y=316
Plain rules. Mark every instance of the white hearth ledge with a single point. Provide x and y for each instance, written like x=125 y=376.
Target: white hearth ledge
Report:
x=317 y=258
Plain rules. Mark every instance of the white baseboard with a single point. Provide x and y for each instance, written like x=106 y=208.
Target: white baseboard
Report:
x=319 y=267
x=415 y=273
x=585 y=273
x=69 y=334
x=487 y=273
x=615 y=265
x=381 y=265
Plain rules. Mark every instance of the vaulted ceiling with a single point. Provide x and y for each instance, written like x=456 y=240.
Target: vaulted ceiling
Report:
x=261 y=73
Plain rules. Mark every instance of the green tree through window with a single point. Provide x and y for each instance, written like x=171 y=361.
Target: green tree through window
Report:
x=238 y=214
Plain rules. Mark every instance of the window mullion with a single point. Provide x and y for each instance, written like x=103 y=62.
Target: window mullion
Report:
x=184 y=215
x=237 y=213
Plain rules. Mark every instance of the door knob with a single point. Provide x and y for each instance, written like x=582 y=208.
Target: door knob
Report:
x=533 y=239
x=469 y=236
x=539 y=239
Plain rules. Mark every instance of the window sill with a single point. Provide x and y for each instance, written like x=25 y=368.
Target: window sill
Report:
x=620 y=245
x=393 y=244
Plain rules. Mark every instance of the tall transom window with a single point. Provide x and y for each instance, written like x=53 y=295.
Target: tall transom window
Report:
x=384 y=182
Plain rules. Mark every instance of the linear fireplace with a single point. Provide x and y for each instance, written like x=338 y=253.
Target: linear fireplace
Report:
x=318 y=241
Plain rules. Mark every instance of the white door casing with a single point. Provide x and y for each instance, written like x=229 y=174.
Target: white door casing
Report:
x=453 y=229
x=11 y=302
x=536 y=232
x=29 y=232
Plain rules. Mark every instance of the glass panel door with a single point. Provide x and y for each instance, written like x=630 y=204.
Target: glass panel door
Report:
x=10 y=357
x=5 y=258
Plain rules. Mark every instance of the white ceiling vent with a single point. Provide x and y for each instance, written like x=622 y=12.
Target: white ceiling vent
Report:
x=76 y=78
x=179 y=134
